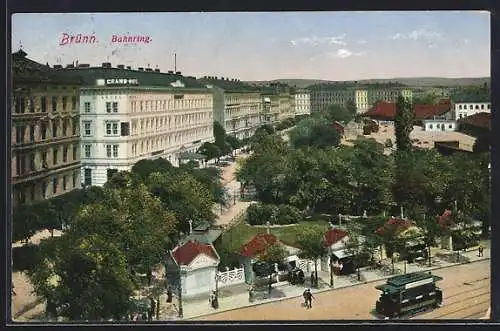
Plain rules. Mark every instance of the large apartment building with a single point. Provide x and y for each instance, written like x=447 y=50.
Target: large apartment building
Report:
x=129 y=115
x=301 y=102
x=363 y=96
x=237 y=105
x=45 y=131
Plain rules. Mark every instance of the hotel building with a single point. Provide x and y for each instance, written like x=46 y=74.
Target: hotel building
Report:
x=45 y=131
x=130 y=115
x=301 y=102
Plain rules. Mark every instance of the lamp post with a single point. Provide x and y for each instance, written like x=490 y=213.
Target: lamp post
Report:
x=181 y=311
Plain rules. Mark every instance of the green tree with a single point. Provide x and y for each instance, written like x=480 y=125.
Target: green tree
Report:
x=83 y=278
x=210 y=150
x=312 y=245
x=273 y=255
x=403 y=123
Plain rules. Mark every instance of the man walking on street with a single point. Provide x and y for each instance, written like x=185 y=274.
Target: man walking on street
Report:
x=480 y=251
x=309 y=298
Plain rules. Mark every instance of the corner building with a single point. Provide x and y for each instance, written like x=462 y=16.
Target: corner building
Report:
x=130 y=115
x=45 y=140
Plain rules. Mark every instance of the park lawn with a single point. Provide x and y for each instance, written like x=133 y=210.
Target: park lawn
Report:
x=241 y=233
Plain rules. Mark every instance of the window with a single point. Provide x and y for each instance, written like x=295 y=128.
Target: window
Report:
x=111 y=173
x=54 y=156
x=31 y=104
x=54 y=185
x=88 y=151
x=73 y=102
x=108 y=150
x=65 y=154
x=44 y=160
x=54 y=129
x=32 y=133
x=87 y=107
x=43 y=130
x=54 y=104
x=87 y=128
x=125 y=129
x=115 y=107
x=64 y=102
x=20 y=132
x=73 y=178
x=32 y=192
x=450 y=126
x=108 y=107
x=477 y=107
x=489 y=106
x=471 y=107
x=43 y=104
x=32 y=162
x=430 y=126
x=19 y=105
x=87 y=177
x=460 y=107
x=115 y=150
x=112 y=128
x=74 y=127
x=65 y=127
x=44 y=189
x=482 y=106
x=65 y=184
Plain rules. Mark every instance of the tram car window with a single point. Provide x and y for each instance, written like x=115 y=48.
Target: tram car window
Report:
x=408 y=294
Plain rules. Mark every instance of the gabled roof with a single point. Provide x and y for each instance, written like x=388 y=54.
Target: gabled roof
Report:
x=258 y=244
x=480 y=120
x=333 y=236
x=395 y=225
x=186 y=253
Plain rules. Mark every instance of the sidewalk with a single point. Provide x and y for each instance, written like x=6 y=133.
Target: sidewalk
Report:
x=234 y=297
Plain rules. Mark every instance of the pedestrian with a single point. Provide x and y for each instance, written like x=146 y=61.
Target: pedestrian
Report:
x=480 y=251
x=212 y=300
x=309 y=298
x=169 y=295
x=305 y=296
x=312 y=279
x=152 y=309
x=250 y=294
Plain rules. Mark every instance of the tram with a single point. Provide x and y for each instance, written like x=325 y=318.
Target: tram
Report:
x=408 y=294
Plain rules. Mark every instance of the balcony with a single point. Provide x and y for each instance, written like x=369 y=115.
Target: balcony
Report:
x=44 y=172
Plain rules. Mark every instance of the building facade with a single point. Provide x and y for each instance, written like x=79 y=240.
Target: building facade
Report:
x=286 y=108
x=237 y=106
x=270 y=108
x=465 y=109
x=439 y=125
x=364 y=96
x=127 y=116
x=45 y=137
x=301 y=102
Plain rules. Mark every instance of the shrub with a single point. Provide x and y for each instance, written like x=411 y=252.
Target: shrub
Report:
x=24 y=258
x=288 y=215
x=259 y=214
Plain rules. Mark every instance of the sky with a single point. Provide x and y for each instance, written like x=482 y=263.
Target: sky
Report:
x=265 y=46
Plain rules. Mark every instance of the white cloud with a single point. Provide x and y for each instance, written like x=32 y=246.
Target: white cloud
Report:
x=342 y=53
x=466 y=41
x=315 y=41
x=362 y=42
x=420 y=34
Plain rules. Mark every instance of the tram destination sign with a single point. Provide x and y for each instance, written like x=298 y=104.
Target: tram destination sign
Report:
x=419 y=283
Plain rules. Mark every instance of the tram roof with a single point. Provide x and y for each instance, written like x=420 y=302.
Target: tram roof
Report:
x=415 y=279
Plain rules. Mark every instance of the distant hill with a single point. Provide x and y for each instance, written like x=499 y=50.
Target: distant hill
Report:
x=412 y=81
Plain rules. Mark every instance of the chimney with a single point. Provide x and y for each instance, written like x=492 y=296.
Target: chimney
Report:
x=149 y=69
x=70 y=66
x=190 y=227
x=177 y=72
x=157 y=70
x=106 y=65
x=170 y=71
x=129 y=67
x=120 y=66
x=140 y=69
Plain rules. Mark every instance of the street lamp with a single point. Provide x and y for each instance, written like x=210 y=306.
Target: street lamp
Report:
x=181 y=311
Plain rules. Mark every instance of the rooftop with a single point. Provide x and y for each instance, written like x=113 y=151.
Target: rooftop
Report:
x=228 y=84
x=149 y=78
x=387 y=110
x=480 y=120
x=333 y=236
x=258 y=244
x=27 y=70
x=185 y=254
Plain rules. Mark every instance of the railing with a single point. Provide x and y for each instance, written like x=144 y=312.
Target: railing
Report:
x=231 y=277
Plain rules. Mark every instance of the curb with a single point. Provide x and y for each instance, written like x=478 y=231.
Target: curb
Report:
x=323 y=290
